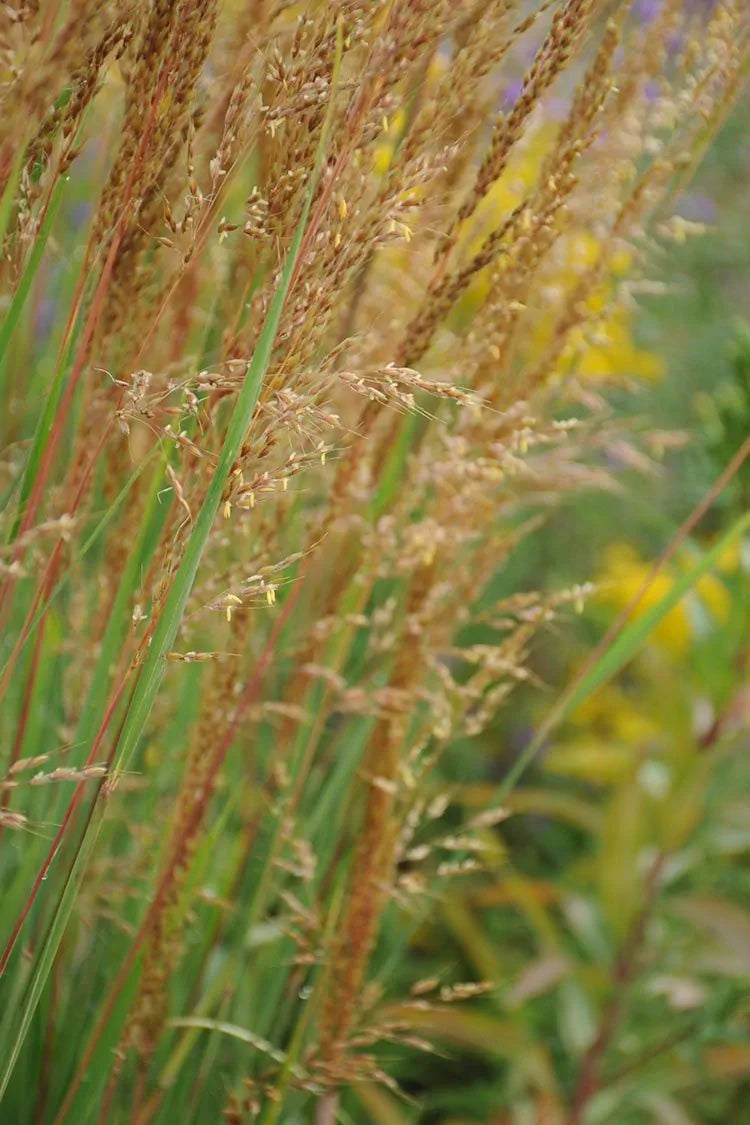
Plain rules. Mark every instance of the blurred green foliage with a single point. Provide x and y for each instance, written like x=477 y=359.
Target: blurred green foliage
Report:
x=618 y=922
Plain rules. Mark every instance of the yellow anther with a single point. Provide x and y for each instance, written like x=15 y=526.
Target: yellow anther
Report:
x=230 y=601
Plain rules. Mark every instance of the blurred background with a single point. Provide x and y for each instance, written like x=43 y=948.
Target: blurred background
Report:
x=655 y=761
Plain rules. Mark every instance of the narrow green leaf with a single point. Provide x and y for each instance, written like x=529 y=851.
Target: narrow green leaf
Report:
x=622 y=650
x=9 y=192
x=24 y=285
x=42 y=431
x=635 y=634
x=255 y=1041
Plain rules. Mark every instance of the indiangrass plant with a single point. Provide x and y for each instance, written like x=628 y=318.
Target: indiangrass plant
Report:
x=306 y=313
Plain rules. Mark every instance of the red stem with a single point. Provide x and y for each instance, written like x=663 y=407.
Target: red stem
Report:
x=250 y=694
x=72 y=806
x=92 y=322
x=589 y=1077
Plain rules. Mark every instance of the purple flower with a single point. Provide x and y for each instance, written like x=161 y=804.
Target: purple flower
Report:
x=697 y=207
x=510 y=94
x=652 y=90
x=80 y=213
x=647 y=10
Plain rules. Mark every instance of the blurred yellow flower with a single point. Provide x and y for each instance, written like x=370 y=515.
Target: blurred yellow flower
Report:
x=593 y=761
x=601 y=349
x=614 y=714
x=624 y=574
x=612 y=352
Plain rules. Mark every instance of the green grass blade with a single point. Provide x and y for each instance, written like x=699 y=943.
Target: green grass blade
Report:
x=622 y=650
x=255 y=1041
x=9 y=192
x=90 y=541
x=41 y=433
x=24 y=286
x=174 y=606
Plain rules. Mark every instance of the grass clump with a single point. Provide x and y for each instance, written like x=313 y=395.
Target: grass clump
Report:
x=303 y=337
